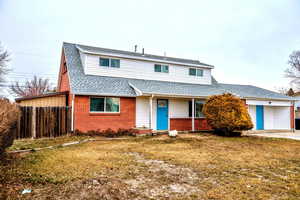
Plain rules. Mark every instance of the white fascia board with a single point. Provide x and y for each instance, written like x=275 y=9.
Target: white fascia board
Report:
x=267 y=99
x=145 y=59
x=173 y=95
x=102 y=95
x=268 y=102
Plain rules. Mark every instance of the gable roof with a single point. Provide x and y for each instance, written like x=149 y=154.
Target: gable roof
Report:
x=250 y=91
x=136 y=55
x=82 y=84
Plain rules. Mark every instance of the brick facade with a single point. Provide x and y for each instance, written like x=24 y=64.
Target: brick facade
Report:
x=85 y=121
x=185 y=124
x=63 y=79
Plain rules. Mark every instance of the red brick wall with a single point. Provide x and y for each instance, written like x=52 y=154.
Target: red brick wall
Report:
x=85 y=121
x=185 y=124
x=64 y=82
x=63 y=79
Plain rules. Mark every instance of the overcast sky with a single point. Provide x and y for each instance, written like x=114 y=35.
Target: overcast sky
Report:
x=248 y=42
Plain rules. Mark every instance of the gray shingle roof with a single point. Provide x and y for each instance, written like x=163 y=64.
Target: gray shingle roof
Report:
x=173 y=88
x=93 y=85
x=99 y=50
x=250 y=91
x=82 y=84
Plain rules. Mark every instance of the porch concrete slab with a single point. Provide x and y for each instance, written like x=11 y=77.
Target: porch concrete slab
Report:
x=287 y=135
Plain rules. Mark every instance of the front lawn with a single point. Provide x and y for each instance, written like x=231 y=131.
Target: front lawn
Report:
x=188 y=167
x=43 y=142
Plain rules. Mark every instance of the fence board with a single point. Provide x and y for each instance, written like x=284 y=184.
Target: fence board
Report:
x=49 y=122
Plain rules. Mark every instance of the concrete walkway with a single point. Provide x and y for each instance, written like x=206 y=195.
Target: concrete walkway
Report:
x=287 y=135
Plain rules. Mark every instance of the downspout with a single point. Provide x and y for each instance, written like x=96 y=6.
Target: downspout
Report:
x=72 y=113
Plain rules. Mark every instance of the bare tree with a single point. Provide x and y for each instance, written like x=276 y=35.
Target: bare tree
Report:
x=282 y=90
x=36 y=86
x=4 y=58
x=293 y=71
x=286 y=91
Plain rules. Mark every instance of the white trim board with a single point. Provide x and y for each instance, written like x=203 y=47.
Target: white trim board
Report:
x=268 y=103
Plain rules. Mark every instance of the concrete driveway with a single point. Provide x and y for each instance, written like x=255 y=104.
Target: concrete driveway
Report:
x=287 y=135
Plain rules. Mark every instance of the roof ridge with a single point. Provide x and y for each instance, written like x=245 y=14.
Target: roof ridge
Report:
x=160 y=57
x=139 y=53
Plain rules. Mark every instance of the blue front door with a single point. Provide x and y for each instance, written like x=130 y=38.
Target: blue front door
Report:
x=162 y=114
x=260 y=117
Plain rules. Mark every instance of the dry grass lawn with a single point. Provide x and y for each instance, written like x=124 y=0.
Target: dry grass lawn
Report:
x=43 y=142
x=188 y=167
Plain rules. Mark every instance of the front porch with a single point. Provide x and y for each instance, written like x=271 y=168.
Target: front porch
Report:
x=161 y=113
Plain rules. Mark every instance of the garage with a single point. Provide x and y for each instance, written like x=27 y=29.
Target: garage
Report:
x=270 y=115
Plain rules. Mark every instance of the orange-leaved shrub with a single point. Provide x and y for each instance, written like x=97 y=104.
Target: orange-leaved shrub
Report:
x=227 y=113
x=9 y=114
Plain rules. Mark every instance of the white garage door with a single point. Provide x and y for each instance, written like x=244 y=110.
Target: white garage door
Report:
x=275 y=117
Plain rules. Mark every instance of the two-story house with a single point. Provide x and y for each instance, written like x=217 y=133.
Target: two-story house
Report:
x=122 y=89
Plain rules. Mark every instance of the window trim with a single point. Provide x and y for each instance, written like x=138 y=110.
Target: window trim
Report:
x=161 y=68
x=109 y=62
x=197 y=69
x=104 y=58
x=190 y=103
x=104 y=112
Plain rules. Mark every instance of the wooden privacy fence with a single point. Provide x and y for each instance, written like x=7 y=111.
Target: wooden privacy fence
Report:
x=37 y=122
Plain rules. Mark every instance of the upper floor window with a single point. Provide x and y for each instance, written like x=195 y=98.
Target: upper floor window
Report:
x=109 y=62
x=195 y=72
x=161 y=68
x=105 y=104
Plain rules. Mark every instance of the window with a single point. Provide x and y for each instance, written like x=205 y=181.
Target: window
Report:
x=104 y=104
x=115 y=63
x=104 y=62
x=109 y=62
x=161 y=68
x=157 y=68
x=195 y=72
x=198 y=108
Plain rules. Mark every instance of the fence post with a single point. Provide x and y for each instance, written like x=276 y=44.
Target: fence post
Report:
x=33 y=126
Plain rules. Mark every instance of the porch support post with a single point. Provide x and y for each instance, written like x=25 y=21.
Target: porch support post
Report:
x=150 y=111
x=193 y=114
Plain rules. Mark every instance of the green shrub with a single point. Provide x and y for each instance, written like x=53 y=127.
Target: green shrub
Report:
x=227 y=113
x=9 y=113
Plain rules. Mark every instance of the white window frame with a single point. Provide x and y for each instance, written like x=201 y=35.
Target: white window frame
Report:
x=196 y=100
x=161 y=67
x=104 y=105
x=196 y=72
x=109 y=62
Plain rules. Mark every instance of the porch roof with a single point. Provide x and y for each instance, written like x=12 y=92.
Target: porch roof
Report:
x=82 y=84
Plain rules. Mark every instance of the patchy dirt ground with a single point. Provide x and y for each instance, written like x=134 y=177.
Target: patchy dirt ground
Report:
x=157 y=179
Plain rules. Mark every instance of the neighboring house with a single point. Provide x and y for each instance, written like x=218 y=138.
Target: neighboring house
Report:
x=121 y=89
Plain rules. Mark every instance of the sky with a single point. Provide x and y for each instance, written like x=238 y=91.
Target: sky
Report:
x=248 y=42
